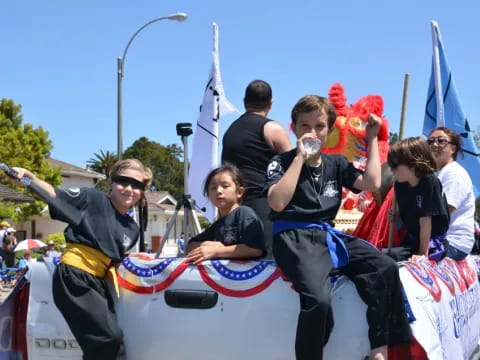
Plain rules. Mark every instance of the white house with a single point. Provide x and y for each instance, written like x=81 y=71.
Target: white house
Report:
x=161 y=208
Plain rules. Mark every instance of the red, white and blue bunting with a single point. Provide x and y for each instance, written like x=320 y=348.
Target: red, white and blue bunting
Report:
x=144 y=275
x=239 y=278
x=229 y=277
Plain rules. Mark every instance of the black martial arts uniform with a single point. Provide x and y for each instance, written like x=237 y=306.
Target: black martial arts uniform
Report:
x=301 y=249
x=424 y=199
x=85 y=300
x=241 y=226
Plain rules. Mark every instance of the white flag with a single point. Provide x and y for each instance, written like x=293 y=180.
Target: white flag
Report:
x=205 y=141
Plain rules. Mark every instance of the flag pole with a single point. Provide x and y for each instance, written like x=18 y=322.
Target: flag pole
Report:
x=436 y=40
x=391 y=229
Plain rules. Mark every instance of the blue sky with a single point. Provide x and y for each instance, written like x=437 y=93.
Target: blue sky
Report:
x=58 y=61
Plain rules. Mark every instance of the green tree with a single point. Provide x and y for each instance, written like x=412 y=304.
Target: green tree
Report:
x=7 y=209
x=24 y=146
x=102 y=163
x=164 y=161
x=57 y=238
x=393 y=138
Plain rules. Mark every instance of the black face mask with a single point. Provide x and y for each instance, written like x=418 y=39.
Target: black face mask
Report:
x=125 y=181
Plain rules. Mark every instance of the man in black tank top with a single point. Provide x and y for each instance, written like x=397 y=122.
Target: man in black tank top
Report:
x=249 y=143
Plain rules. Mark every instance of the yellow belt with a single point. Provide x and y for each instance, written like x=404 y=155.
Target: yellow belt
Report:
x=91 y=261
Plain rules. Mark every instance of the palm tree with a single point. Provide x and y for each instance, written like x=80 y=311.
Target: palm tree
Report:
x=102 y=162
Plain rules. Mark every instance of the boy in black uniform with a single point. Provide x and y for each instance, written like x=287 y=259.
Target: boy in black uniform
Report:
x=421 y=202
x=98 y=234
x=304 y=192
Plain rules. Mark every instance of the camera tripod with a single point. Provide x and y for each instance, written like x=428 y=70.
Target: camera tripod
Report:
x=191 y=225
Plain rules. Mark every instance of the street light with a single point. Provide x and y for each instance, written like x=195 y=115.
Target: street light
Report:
x=120 y=63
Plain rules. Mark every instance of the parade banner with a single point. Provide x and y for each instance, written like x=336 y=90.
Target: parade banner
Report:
x=444 y=303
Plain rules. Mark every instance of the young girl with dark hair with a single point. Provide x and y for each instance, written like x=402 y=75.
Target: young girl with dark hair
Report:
x=238 y=233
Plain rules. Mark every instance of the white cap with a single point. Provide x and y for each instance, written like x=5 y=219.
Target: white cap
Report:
x=10 y=229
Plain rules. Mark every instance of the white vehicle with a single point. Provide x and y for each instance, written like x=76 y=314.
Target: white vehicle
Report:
x=229 y=310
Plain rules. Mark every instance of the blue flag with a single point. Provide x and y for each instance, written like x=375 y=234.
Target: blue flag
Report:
x=444 y=109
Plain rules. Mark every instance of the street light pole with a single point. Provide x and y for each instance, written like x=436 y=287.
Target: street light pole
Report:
x=120 y=64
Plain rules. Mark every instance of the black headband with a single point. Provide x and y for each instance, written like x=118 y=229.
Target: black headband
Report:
x=125 y=180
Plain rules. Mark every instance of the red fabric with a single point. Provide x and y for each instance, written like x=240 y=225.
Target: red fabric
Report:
x=374 y=224
x=408 y=351
x=19 y=336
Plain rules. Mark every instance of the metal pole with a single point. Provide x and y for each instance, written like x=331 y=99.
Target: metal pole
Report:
x=119 y=107
x=391 y=229
x=185 y=164
x=404 y=106
x=120 y=64
x=185 y=190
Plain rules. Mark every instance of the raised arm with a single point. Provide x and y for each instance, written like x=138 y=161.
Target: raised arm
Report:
x=371 y=178
x=42 y=185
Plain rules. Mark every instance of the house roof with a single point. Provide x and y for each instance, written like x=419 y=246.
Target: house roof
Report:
x=163 y=201
x=160 y=200
x=69 y=169
x=6 y=193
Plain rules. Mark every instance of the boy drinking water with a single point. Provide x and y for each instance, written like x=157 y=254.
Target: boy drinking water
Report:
x=304 y=192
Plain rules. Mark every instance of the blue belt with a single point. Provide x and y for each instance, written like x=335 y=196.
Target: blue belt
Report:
x=336 y=247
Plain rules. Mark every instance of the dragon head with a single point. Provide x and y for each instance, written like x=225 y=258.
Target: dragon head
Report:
x=348 y=136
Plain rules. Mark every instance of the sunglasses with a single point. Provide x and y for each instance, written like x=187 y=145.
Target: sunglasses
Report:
x=125 y=181
x=439 y=140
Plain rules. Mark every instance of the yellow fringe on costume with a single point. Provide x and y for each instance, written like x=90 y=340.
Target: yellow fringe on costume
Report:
x=90 y=260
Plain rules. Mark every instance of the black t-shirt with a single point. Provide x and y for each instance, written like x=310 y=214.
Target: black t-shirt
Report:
x=241 y=226
x=318 y=194
x=245 y=147
x=94 y=221
x=425 y=199
x=8 y=257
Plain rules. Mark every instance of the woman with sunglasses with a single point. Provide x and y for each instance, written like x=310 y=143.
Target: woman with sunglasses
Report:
x=99 y=233
x=446 y=145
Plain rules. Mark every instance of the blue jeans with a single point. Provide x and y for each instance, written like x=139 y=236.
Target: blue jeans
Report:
x=455 y=254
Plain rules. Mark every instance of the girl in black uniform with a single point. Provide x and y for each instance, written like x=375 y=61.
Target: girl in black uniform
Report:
x=421 y=202
x=304 y=192
x=238 y=233
x=98 y=234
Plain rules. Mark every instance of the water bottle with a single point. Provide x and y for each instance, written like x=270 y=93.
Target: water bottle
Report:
x=312 y=146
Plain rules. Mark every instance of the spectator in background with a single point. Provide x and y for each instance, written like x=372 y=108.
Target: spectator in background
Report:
x=51 y=253
x=26 y=259
x=12 y=231
x=4 y=225
x=6 y=252
x=181 y=244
